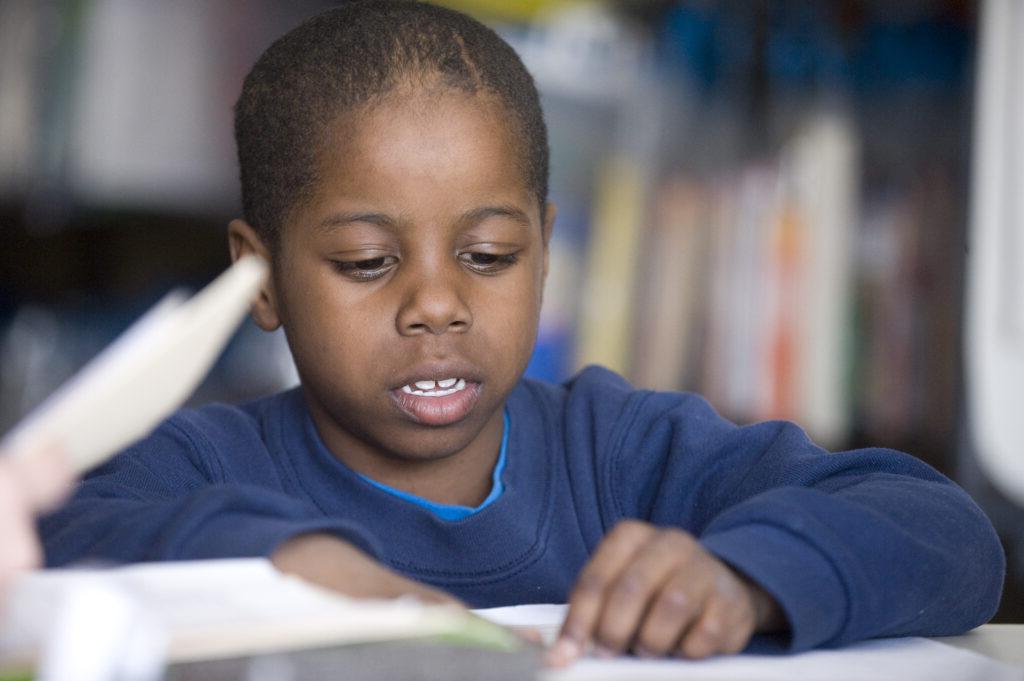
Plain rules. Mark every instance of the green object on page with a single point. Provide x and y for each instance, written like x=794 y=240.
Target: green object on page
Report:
x=16 y=676
x=477 y=631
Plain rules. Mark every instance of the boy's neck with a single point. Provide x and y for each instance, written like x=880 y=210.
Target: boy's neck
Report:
x=463 y=478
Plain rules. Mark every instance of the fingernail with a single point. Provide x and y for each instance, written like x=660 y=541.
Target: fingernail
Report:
x=563 y=652
x=640 y=651
x=604 y=653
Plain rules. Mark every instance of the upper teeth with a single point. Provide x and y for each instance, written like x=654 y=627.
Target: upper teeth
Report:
x=431 y=388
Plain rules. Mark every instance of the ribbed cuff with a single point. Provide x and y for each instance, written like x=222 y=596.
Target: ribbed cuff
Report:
x=797 y=575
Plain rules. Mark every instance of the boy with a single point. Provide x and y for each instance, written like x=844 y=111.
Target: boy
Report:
x=394 y=173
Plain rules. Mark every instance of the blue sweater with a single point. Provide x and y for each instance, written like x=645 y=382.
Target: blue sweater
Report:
x=852 y=545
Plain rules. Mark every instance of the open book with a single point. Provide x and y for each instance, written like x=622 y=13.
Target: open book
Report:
x=202 y=610
x=143 y=376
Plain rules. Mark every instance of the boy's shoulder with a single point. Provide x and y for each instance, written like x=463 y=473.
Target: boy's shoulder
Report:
x=594 y=382
x=222 y=442
x=218 y=423
x=591 y=379
x=593 y=385
x=599 y=395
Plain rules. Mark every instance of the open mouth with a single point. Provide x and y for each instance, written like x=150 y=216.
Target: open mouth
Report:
x=429 y=388
x=437 y=402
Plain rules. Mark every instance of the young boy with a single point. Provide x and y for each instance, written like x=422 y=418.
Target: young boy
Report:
x=394 y=173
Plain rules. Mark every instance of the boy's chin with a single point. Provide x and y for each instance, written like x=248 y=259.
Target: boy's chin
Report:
x=431 y=448
x=422 y=443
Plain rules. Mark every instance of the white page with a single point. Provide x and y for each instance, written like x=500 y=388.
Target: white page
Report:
x=895 y=659
x=545 y=618
x=218 y=608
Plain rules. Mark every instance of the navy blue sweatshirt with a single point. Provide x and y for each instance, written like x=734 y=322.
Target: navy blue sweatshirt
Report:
x=852 y=545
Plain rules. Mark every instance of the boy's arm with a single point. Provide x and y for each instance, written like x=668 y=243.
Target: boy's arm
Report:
x=108 y=521
x=225 y=522
x=851 y=545
x=859 y=544
x=323 y=559
x=168 y=498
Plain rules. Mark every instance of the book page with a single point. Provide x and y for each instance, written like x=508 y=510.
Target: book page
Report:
x=895 y=659
x=218 y=608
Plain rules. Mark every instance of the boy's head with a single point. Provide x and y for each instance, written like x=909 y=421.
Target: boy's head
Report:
x=351 y=57
x=394 y=169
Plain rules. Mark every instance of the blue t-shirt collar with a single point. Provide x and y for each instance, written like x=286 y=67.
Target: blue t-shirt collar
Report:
x=453 y=511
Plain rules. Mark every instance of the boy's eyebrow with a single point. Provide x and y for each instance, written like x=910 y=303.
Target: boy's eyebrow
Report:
x=471 y=217
x=478 y=215
x=336 y=220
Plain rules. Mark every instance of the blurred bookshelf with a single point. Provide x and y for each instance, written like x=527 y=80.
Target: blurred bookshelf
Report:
x=764 y=202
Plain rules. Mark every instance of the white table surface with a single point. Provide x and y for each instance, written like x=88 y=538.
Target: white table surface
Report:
x=1003 y=642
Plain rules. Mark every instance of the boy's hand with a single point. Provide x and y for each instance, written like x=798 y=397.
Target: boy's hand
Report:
x=29 y=485
x=21 y=550
x=656 y=591
x=330 y=562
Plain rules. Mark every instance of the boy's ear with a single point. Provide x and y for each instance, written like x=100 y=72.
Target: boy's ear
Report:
x=243 y=240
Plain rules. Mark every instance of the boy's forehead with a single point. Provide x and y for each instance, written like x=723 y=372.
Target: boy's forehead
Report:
x=415 y=143
x=416 y=111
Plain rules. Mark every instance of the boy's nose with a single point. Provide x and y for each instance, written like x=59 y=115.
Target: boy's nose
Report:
x=433 y=305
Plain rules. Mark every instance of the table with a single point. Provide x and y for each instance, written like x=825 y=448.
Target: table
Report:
x=1003 y=642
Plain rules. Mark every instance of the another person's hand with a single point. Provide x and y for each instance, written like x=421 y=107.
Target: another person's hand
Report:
x=28 y=486
x=656 y=591
x=328 y=561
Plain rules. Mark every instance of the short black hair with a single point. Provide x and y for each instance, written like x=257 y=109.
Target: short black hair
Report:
x=351 y=56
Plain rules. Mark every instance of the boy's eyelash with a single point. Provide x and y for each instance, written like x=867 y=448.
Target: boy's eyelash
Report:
x=365 y=270
x=495 y=262
x=374 y=268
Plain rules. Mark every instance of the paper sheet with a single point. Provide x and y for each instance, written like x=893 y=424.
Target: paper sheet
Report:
x=141 y=377
x=217 y=608
x=896 y=659
x=545 y=619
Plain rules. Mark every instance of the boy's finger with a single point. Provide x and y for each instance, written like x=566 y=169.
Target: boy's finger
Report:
x=628 y=600
x=737 y=599
x=724 y=626
x=529 y=634
x=705 y=637
x=587 y=598
x=673 y=612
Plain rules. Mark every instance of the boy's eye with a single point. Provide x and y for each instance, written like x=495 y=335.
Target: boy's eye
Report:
x=487 y=263
x=365 y=270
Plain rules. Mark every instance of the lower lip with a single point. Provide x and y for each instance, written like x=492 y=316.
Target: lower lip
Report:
x=438 y=411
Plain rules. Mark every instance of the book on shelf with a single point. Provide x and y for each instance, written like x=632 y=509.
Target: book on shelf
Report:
x=672 y=286
x=606 y=305
x=745 y=287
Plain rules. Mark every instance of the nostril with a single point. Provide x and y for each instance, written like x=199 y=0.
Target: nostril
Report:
x=428 y=311
x=421 y=327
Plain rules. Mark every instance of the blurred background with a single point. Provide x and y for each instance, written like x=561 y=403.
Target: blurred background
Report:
x=765 y=201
